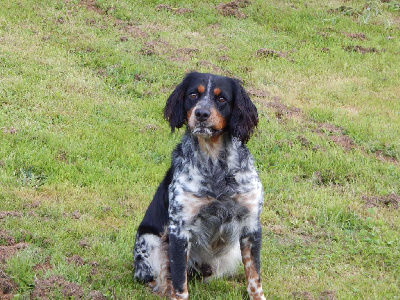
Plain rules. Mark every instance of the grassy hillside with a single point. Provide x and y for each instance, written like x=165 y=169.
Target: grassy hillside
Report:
x=83 y=144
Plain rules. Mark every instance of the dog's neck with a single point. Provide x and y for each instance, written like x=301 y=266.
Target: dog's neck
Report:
x=219 y=149
x=211 y=147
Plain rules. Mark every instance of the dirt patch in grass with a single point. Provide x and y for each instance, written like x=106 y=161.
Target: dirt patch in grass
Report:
x=361 y=49
x=10 y=130
x=307 y=144
x=183 y=54
x=327 y=295
x=46 y=288
x=263 y=52
x=43 y=267
x=343 y=140
x=135 y=31
x=330 y=128
x=95 y=295
x=94 y=265
x=282 y=110
x=269 y=53
x=304 y=295
x=223 y=58
x=84 y=243
x=357 y=36
x=4 y=214
x=8 y=247
x=257 y=92
x=76 y=260
x=345 y=10
x=324 y=34
x=62 y=156
x=6 y=239
x=329 y=131
x=328 y=177
x=92 y=5
x=187 y=51
x=76 y=215
x=336 y=135
x=148 y=127
x=385 y=158
x=7 y=286
x=155 y=47
x=232 y=9
x=182 y=11
x=389 y=201
x=177 y=11
x=8 y=251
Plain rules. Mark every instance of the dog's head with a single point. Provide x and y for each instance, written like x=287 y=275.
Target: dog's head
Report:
x=211 y=105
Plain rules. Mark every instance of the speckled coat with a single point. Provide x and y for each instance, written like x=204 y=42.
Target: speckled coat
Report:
x=204 y=217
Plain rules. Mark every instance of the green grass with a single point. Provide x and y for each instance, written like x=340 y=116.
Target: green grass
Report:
x=83 y=144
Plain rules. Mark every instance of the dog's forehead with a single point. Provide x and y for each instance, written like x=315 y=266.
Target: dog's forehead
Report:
x=208 y=82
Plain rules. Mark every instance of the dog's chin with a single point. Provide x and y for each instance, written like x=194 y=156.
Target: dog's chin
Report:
x=202 y=131
x=205 y=132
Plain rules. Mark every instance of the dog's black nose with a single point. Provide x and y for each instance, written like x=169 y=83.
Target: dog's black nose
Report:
x=202 y=114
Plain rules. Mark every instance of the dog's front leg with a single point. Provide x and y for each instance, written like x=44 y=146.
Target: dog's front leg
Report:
x=250 y=246
x=178 y=253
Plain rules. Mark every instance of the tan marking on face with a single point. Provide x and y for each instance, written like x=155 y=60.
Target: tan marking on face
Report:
x=201 y=89
x=191 y=118
x=217 y=121
x=211 y=145
x=217 y=91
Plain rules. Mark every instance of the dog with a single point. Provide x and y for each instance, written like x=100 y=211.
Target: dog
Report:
x=204 y=217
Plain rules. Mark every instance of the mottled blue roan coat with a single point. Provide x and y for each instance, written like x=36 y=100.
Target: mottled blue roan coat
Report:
x=204 y=217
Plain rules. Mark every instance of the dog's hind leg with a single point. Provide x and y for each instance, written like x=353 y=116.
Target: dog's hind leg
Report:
x=146 y=257
x=150 y=256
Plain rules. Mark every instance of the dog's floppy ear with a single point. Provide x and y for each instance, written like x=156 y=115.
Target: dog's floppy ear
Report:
x=174 y=111
x=244 y=116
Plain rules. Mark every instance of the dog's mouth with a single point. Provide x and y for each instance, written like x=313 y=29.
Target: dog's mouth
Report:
x=205 y=131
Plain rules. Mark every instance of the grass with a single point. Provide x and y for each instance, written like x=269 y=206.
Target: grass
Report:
x=83 y=144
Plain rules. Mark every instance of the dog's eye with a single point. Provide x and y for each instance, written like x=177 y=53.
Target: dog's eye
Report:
x=193 y=96
x=221 y=99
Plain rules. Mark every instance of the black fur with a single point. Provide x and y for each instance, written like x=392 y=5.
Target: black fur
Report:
x=244 y=116
x=157 y=213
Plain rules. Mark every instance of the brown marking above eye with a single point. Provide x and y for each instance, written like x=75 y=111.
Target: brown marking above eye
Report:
x=201 y=88
x=217 y=91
